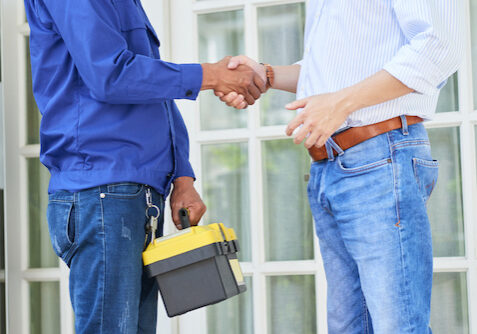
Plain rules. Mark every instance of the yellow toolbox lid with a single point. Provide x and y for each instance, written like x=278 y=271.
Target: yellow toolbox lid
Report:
x=185 y=241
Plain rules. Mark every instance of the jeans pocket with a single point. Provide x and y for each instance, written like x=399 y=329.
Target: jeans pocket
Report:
x=426 y=173
x=125 y=189
x=362 y=168
x=61 y=217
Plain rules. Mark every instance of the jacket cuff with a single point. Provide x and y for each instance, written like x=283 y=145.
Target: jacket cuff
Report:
x=191 y=80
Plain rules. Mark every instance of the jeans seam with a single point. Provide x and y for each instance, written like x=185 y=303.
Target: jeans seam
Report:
x=365 y=316
x=104 y=264
x=399 y=231
x=395 y=183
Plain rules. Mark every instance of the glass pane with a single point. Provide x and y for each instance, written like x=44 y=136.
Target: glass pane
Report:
x=3 y=310
x=291 y=304
x=33 y=113
x=233 y=316
x=220 y=34
x=44 y=308
x=41 y=251
x=449 y=312
x=445 y=205
x=449 y=96
x=280 y=38
x=288 y=222
x=226 y=190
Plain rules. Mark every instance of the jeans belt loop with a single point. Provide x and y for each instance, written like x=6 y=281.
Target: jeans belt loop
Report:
x=405 y=129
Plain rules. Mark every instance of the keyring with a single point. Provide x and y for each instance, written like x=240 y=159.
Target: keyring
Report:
x=153 y=207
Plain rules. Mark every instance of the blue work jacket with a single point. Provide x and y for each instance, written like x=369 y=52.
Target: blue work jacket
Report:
x=106 y=98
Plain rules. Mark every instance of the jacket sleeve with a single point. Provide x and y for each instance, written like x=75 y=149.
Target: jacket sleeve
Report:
x=91 y=32
x=435 y=45
x=183 y=166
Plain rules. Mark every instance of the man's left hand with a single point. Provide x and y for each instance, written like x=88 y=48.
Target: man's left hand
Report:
x=184 y=195
x=321 y=117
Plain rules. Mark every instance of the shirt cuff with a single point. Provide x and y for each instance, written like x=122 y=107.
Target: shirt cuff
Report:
x=184 y=170
x=191 y=80
x=416 y=71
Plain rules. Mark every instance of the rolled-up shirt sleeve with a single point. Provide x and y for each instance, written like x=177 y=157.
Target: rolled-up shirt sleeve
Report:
x=91 y=32
x=435 y=45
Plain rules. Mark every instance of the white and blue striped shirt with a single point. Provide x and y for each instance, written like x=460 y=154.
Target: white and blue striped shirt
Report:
x=417 y=41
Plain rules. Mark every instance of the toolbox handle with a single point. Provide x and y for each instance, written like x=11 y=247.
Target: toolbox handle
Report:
x=184 y=218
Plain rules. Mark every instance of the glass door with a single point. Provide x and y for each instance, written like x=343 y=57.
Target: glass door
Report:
x=252 y=178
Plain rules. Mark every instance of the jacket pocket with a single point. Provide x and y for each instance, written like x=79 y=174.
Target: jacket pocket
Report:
x=129 y=16
x=426 y=173
x=61 y=217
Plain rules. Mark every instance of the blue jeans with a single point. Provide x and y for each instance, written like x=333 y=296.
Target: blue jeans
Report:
x=100 y=234
x=369 y=207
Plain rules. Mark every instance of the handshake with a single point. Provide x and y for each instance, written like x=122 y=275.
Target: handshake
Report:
x=238 y=81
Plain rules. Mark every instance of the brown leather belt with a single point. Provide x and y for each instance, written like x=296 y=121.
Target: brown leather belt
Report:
x=355 y=136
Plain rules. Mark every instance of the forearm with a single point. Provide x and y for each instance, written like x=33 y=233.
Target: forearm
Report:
x=286 y=77
x=378 y=88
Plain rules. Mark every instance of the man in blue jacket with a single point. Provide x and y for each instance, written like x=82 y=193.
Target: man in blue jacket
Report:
x=115 y=144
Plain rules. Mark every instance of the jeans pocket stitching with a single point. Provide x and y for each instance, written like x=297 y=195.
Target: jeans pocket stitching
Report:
x=433 y=164
x=364 y=168
x=126 y=195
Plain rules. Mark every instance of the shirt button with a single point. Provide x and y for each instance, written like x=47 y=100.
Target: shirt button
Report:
x=189 y=93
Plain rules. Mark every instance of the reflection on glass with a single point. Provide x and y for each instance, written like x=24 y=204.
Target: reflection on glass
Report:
x=220 y=34
x=45 y=308
x=449 y=313
x=288 y=221
x=3 y=310
x=41 y=251
x=226 y=190
x=233 y=316
x=449 y=96
x=291 y=304
x=280 y=37
x=445 y=205
x=33 y=115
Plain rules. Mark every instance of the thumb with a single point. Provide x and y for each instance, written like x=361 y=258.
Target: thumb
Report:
x=236 y=61
x=297 y=104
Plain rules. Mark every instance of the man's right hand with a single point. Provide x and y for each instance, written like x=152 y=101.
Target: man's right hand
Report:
x=235 y=99
x=243 y=80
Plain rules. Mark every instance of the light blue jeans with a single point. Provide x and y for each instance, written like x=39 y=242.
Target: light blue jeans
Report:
x=369 y=207
x=100 y=234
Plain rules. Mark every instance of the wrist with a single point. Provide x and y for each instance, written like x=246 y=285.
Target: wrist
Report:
x=209 y=77
x=348 y=101
x=183 y=182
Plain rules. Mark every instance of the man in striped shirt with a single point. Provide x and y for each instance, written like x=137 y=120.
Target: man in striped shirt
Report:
x=371 y=73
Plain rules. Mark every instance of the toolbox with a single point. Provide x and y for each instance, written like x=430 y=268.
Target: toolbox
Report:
x=195 y=267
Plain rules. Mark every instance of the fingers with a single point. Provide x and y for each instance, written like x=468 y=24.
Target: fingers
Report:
x=218 y=94
x=175 y=217
x=254 y=91
x=234 y=100
x=234 y=62
x=262 y=85
x=249 y=99
x=297 y=104
x=301 y=135
x=294 y=123
x=196 y=211
x=312 y=139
